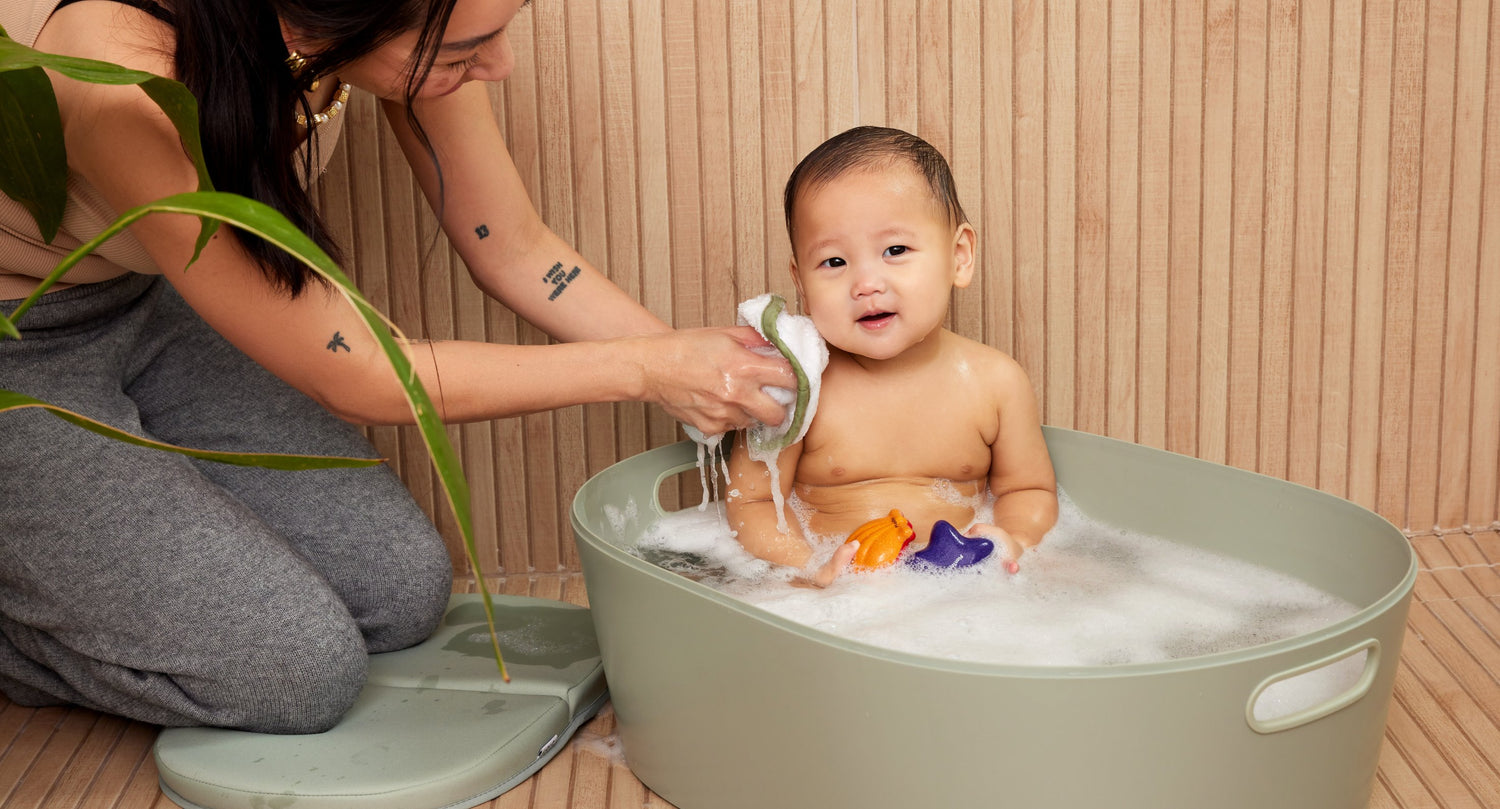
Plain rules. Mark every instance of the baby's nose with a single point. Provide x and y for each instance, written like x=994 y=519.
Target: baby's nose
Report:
x=868 y=281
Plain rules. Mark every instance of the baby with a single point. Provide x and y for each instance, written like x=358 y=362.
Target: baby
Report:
x=911 y=416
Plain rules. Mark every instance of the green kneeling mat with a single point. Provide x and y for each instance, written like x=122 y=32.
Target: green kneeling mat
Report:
x=435 y=726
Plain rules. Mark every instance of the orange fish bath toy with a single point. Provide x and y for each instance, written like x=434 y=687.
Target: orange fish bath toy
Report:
x=881 y=540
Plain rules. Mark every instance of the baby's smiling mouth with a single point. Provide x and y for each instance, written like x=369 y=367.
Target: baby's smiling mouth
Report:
x=876 y=318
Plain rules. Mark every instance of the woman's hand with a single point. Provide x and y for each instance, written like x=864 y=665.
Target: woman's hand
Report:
x=712 y=378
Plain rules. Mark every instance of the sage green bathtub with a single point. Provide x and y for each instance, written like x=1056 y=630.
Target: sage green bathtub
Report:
x=721 y=704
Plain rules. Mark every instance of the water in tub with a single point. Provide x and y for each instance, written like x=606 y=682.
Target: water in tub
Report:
x=1089 y=595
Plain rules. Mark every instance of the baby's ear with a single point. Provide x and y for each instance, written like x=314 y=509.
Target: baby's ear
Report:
x=965 y=242
x=796 y=280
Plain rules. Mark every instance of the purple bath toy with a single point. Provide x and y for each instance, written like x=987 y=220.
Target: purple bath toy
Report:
x=949 y=549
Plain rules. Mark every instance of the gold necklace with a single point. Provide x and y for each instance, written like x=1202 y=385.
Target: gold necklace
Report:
x=329 y=112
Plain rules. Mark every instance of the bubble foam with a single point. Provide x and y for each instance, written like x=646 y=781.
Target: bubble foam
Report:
x=1089 y=595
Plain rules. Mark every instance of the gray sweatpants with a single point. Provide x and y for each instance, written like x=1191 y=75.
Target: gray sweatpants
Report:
x=182 y=592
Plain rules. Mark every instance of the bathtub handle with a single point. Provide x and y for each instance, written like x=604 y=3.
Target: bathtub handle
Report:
x=1323 y=708
x=670 y=472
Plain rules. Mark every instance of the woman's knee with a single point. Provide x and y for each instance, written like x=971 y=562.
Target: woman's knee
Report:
x=302 y=680
x=410 y=605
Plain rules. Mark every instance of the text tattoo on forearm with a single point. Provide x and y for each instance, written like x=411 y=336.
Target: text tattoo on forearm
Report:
x=559 y=279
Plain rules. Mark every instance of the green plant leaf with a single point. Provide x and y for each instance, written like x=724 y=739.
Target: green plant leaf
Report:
x=33 y=164
x=41 y=186
x=10 y=400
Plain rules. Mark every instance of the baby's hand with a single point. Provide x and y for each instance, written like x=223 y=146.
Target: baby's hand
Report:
x=1010 y=550
x=831 y=569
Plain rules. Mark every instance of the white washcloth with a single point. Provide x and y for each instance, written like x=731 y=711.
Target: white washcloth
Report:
x=805 y=348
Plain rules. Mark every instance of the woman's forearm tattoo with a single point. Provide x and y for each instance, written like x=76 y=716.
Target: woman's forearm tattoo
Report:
x=556 y=276
x=559 y=279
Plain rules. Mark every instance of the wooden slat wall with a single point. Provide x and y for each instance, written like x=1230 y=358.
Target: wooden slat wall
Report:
x=1253 y=232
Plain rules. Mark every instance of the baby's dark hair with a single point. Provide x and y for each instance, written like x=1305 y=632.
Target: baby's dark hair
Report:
x=869 y=147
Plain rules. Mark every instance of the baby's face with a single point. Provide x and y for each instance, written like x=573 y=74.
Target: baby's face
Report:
x=875 y=260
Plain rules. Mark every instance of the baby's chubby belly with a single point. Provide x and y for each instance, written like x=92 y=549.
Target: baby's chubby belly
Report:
x=835 y=511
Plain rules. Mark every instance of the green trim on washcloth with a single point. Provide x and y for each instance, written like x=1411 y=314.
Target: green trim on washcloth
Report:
x=768 y=329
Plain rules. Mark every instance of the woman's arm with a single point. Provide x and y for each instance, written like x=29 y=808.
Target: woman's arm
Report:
x=316 y=342
x=706 y=377
x=488 y=216
x=121 y=143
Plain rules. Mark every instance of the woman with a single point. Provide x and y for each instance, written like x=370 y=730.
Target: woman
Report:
x=178 y=592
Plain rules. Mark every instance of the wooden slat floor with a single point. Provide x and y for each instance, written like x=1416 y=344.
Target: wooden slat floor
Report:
x=1442 y=745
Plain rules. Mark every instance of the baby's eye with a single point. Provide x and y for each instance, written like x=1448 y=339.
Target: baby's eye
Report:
x=895 y=250
x=832 y=262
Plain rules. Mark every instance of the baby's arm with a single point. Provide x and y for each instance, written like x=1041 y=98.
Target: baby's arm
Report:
x=1021 y=476
x=752 y=514
x=751 y=507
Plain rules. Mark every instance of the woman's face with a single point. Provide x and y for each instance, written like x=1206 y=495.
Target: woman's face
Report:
x=474 y=47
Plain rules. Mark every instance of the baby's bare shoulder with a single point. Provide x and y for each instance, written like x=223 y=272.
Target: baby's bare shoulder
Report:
x=989 y=363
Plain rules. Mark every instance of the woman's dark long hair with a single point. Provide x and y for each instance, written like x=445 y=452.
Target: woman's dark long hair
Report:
x=231 y=55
